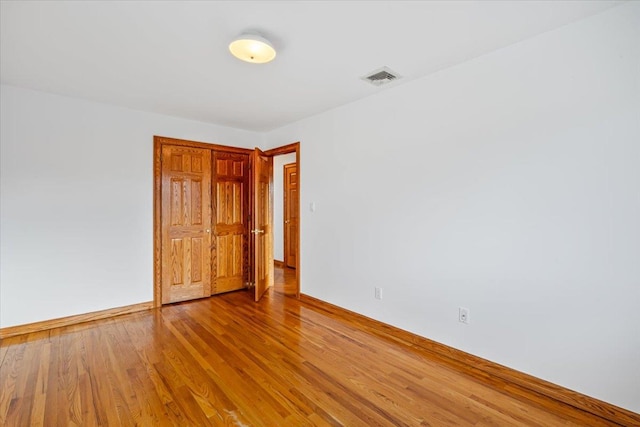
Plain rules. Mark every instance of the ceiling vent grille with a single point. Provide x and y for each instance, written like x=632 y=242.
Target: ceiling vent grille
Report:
x=382 y=76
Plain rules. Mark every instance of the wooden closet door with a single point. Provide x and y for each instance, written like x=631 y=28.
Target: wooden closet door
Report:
x=186 y=223
x=230 y=250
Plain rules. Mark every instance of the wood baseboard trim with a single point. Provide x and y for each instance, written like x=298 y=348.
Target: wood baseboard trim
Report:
x=277 y=263
x=44 y=325
x=529 y=386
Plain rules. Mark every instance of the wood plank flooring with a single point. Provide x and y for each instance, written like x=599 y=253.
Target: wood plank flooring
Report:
x=284 y=280
x=226 y=360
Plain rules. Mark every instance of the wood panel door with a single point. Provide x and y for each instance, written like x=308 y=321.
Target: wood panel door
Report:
x=290 y=215
x=230 y=250
x=186 y=223
x=262 y=222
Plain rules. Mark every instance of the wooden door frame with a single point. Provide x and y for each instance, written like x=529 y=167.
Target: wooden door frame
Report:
x=286 y=149
x=158 y=143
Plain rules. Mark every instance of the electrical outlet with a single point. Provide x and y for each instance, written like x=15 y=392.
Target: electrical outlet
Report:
x=463 y=315
x=378 y=293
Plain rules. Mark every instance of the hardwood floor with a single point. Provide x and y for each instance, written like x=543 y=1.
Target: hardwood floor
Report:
x=226 y=360
x=284 y=280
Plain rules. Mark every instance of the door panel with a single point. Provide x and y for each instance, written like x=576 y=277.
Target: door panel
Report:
x=262 y=223
x=186 y=223
x=230 y=250
x=290 y=215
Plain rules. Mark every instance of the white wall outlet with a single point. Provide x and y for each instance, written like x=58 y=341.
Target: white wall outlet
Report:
x=463 y=315
x=378 y=293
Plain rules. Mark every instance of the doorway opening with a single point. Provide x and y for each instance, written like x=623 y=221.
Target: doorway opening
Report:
x=285 y=221
x=286 y=224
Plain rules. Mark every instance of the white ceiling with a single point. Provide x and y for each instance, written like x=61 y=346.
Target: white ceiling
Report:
x=171 y=57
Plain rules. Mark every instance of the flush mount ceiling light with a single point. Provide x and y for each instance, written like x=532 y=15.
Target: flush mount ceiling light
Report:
x=252 y=47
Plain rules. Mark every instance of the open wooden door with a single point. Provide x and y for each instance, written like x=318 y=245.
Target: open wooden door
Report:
x=186 y=223
x=262 y=223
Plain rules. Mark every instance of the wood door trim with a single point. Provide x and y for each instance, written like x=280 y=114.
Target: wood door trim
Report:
x=484 y=370
x=158 y=143
x=157 y=220
x=44 y=325
x=195 y=144
x=294 y=147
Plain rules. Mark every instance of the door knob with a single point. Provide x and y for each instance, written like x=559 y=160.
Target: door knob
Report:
x=256 y=231
x=208 y=230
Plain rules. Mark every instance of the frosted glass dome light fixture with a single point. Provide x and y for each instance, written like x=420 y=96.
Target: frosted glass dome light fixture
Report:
x=252 y=47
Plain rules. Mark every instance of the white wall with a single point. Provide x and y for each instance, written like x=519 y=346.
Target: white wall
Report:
x=278 y=203
x=509 y=185
x=76 y=203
